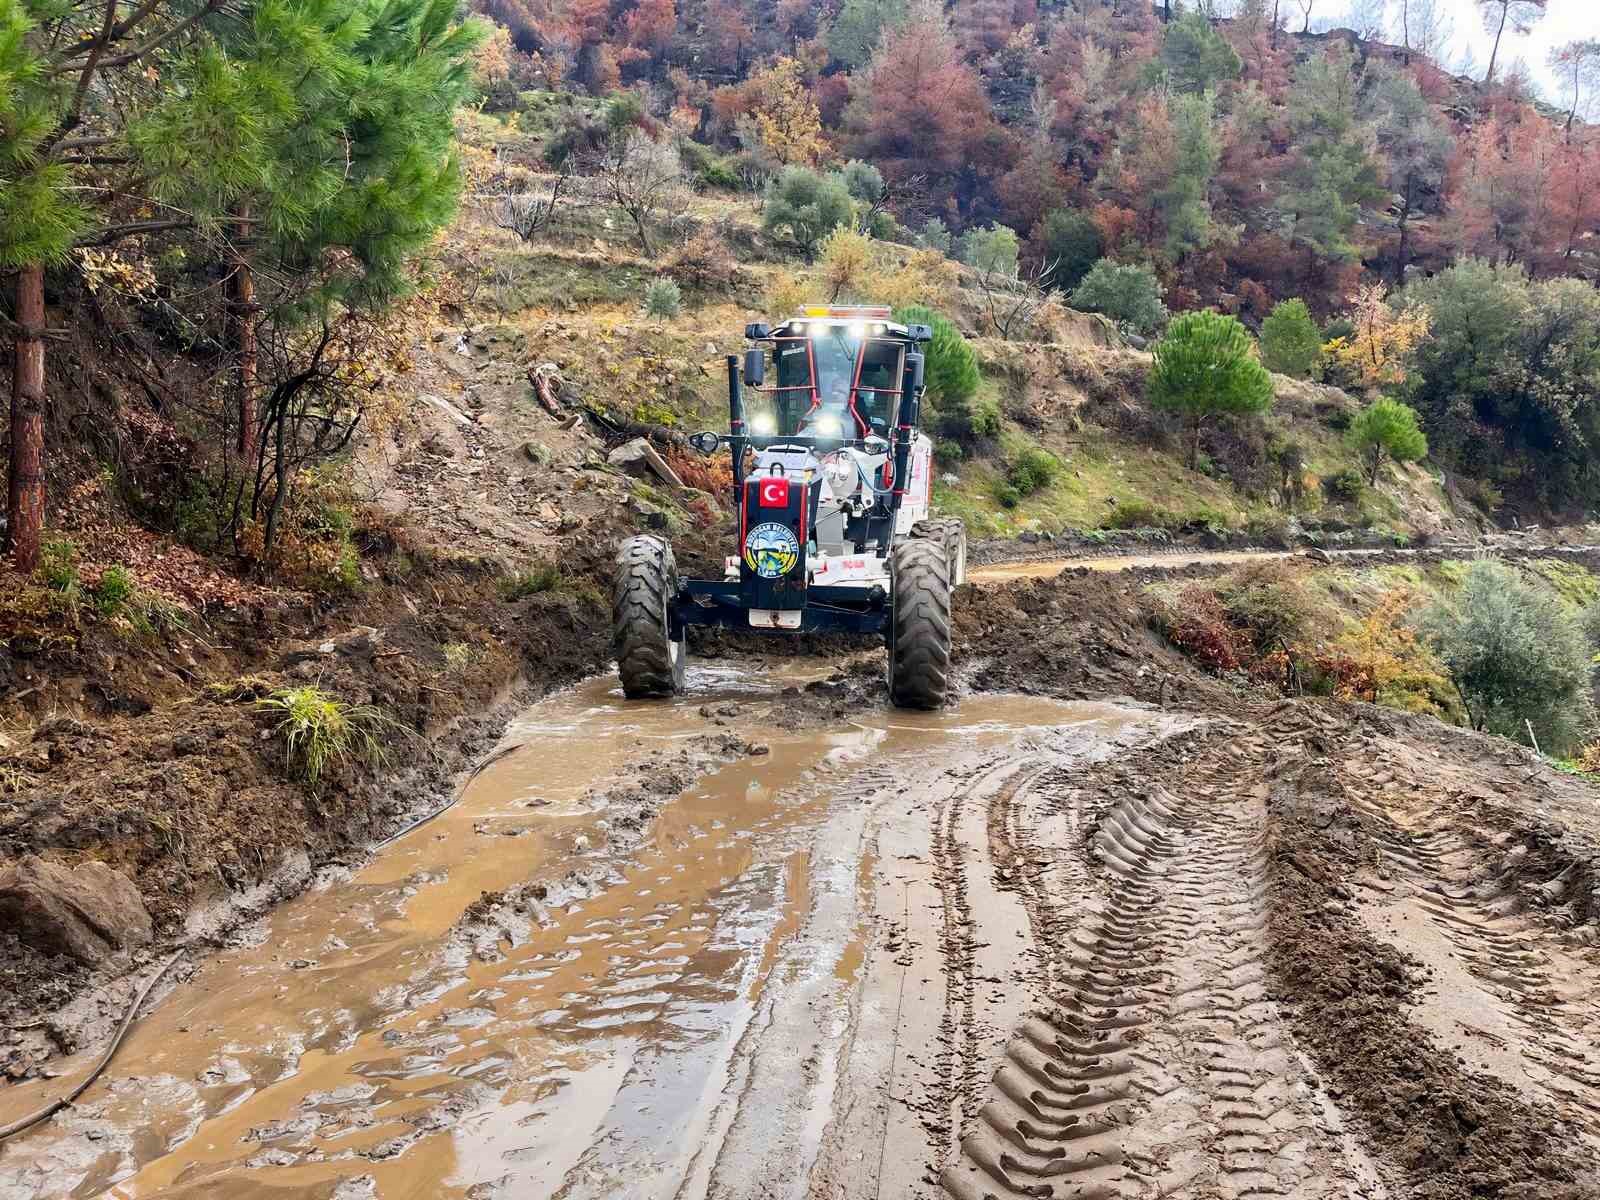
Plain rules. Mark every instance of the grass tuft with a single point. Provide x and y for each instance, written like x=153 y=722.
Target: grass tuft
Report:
x=319 y=729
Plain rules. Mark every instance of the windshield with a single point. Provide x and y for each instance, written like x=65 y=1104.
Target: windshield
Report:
x=816 y=375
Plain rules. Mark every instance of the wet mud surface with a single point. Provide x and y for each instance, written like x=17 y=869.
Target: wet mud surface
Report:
x=776 y=939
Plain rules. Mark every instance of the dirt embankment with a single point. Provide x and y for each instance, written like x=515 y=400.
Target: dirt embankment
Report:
x=163 y=765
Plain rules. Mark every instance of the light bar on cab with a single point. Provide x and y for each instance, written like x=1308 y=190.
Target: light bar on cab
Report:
x=848 y=312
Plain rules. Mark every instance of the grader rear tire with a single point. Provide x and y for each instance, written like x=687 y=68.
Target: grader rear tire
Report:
x=649 y=661
x=919 y=625
x=951 y=533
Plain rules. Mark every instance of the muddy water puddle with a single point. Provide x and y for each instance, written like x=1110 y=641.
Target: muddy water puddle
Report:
x=364 y=1046
x=1050 y=568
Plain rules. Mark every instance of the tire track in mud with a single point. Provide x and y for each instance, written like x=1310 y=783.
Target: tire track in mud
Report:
x=958 y=1051
x=964 y=808
x=1161 y=1067
x=1539 y=978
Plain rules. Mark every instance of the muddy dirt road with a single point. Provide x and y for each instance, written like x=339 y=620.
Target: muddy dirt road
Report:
x=741 y=945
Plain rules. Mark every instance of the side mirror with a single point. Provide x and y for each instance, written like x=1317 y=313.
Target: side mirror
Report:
x=916 y=367
x=875 y=445
x=706 y=443
x=755 y=367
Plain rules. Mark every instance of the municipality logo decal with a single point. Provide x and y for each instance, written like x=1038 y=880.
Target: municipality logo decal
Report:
x=771 y=550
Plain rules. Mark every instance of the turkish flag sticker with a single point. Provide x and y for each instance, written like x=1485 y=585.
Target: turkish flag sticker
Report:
x=774 y=493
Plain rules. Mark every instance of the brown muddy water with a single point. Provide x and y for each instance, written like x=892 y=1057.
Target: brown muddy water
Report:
x=792 y=984
x=1050 y=568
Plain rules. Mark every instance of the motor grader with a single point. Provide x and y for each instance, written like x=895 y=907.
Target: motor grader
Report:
x=832 y=483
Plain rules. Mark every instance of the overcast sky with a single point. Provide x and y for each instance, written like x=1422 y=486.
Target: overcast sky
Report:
x=1567 y=20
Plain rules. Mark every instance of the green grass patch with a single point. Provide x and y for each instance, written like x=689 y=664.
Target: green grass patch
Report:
x=1576 y=585
x=531 y=581
x=319 y=730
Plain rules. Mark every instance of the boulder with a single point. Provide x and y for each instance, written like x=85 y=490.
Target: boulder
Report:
x=88 y=910
x=639 y=458
x=359 y=642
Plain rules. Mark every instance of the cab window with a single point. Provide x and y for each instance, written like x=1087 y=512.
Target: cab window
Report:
x=815 y=375
x=880 y=385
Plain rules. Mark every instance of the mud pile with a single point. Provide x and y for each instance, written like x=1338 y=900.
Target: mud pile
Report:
x=1081 y=635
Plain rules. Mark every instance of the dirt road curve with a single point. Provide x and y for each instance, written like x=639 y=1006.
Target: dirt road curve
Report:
x=794 y=944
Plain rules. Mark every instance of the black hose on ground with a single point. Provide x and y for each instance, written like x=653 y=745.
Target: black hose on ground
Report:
x=55 y=1106
x=460 y=792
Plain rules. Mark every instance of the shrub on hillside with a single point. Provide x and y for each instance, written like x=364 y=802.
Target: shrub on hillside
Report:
x=1206 y=366
x=993 y=251
x=927 y=279
x=1129 y=295
x=708 y=169
x=1072 y=242
x=1291 y=344
x=862 y=180
x=803 y=207
x=704 y=262
x=1269 y=603
x=1195 y=622
x=935 y=236
x=1136 y=514
x=1517 y=654
x=788 y=292
x=663 y=299
x=845 y=258
x=1346 y=486
x=1033 y=470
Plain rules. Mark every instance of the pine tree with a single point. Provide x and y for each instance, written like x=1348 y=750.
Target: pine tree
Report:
x=1185 y=200
x=1520 y=15
x=1196 y=57
x=1415 y=143
x=1205 y=366
x=1290 y=341
x=860 y=26
x=38 y=221
x=1387 y=428
x=309 y=135
x=1334 y=175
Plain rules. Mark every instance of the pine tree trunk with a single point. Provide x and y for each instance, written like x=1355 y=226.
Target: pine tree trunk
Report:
x=242 y=303
x=1494 y=55
x=1404 y=251
x=25 y=500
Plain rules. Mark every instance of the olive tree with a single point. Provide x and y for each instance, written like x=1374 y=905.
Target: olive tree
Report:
x=1517 y=655
x=803 y=207
x=1129 y=294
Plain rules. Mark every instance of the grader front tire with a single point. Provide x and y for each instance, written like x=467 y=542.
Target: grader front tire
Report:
x=919 y=633
x=649 y=661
